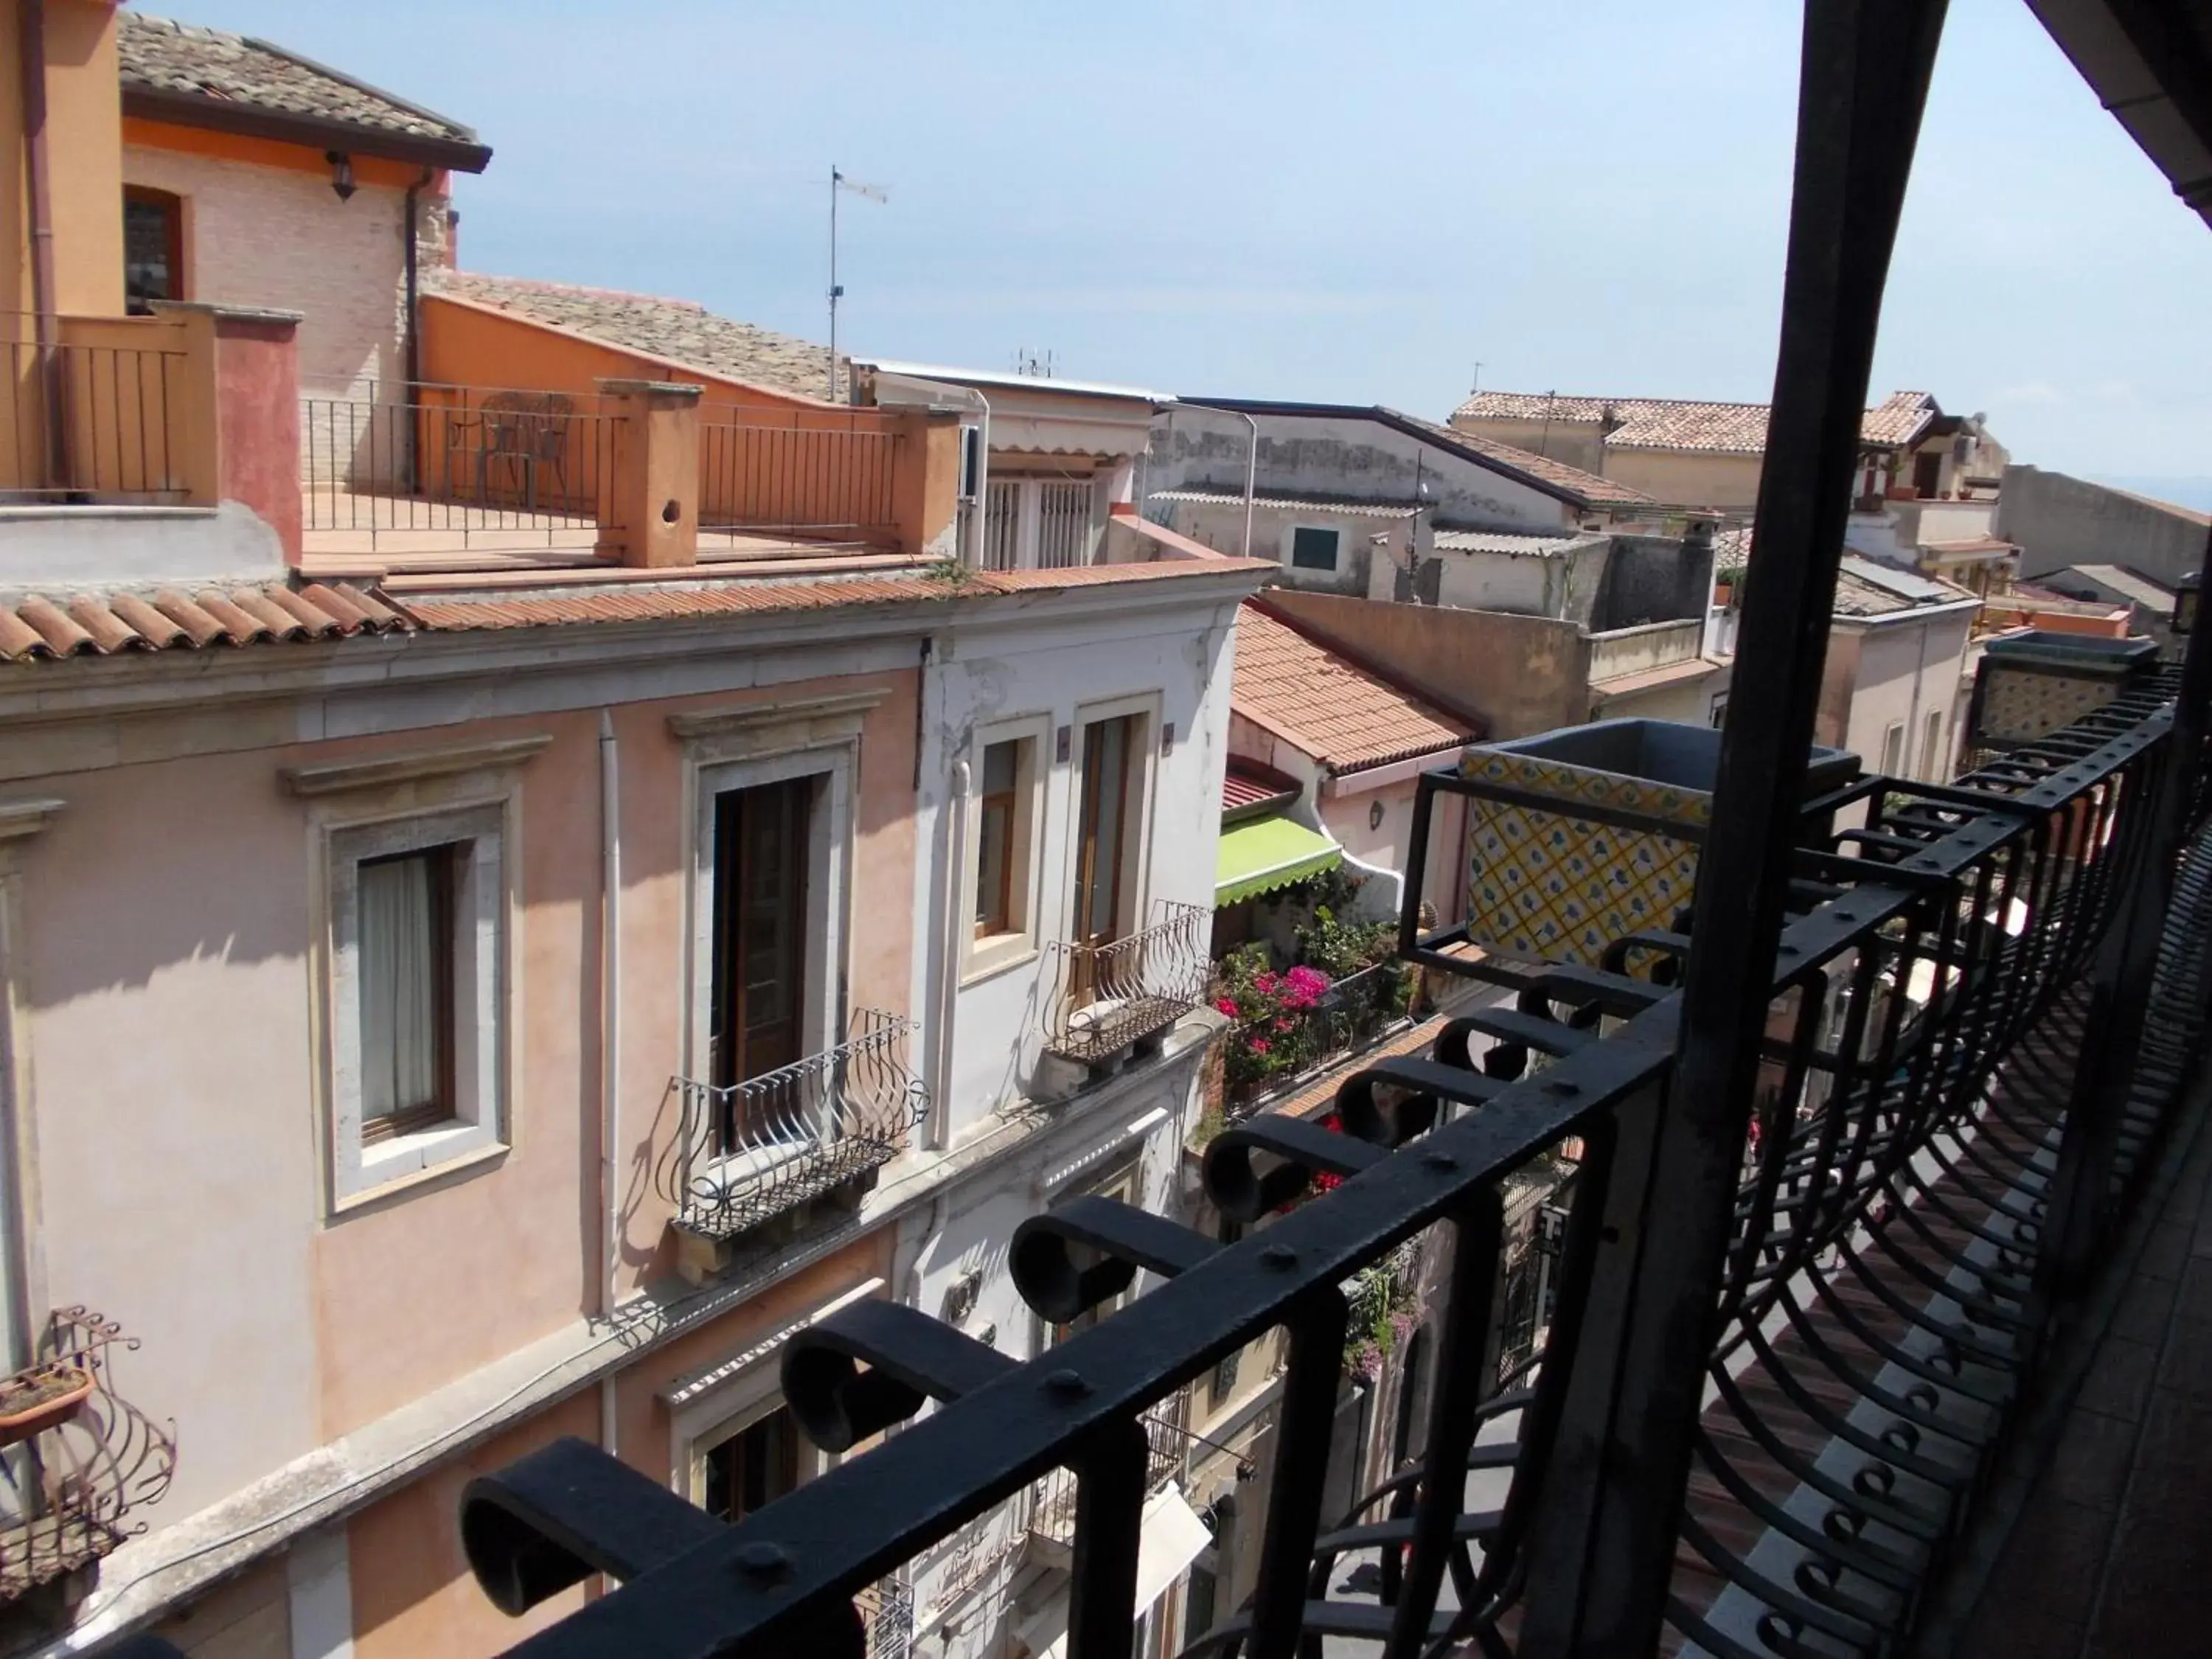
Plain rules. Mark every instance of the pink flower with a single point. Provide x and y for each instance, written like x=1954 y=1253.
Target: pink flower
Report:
x=1223 y=1006
x=1307 y=982
x=1265 y=984
x=1285 y=1024
x=1258 y=1045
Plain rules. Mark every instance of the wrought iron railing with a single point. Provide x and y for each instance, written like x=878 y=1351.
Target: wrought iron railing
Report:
x=887 y=1610
x=1101 y=1001
x=1053 y=1500
x=813 y=475
x=746 y=1152
x=76 y=1459
x=83 y=421
x=458 y=458
x=1268 y=1055
x=1880 y=1294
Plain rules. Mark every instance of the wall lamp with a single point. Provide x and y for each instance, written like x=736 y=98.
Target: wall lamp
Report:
x=341 y=174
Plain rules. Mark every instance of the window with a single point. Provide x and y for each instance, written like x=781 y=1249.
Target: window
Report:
x=1314 y=548
x=1718 y=717
x=153 y=248
x=1103 y=895
x=1931 y=748
x=406 y=922
x=1064 y=522
x=762 y=842
x=418 y=911
x=1892 y=750
x=994 y=850
x=748 y=1467
x=1002 y=524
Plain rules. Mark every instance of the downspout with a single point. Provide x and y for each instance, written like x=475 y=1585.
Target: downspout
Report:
x=1913 y=720
x=982 y=477
x=610 y=1044
x=411 y=351
x=1251 y=475
x=949 y=957
x=32 y=53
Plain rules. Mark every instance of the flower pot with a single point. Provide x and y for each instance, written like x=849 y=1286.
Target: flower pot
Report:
x=41 y=1398
x=1581 y=836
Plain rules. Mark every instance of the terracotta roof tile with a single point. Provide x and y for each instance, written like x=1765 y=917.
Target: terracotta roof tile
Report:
x=36 y=626
x=1679 y=423
x=1340 y=714
x=1592 y=489
x=159 y=55
x=680 y=331
x=1248 y=783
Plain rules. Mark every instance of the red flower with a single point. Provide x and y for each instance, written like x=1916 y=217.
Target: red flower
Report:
x=1223 y=1006
x=1258 y=1045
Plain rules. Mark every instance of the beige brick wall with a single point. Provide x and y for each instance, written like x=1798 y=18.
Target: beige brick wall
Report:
x=270 y=236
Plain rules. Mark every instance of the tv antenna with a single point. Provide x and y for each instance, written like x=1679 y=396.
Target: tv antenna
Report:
x=875 y=193
x=1035 y=365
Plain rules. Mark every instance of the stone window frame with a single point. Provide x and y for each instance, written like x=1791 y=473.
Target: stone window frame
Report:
x=468 y=796
x=984 y=958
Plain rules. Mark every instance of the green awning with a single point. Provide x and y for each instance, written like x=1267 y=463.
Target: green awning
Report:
x=1264 y=853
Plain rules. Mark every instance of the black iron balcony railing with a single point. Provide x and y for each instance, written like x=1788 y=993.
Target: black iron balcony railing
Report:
x=1055 y=1500
x=1102 y=1000
x=747 y=1152
x=1880 y=1308
x=75 y=1458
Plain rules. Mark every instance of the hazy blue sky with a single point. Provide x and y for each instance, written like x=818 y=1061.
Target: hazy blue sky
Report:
x=1353 y=201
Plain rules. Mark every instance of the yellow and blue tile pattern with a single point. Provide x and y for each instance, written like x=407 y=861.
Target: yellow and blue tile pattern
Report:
x=1547 y=885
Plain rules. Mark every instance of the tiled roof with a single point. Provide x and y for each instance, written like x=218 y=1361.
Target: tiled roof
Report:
x=1588 y=487
x=161 y=57
x=467 y=608
x=1228 y=498
x=1247 y=783
x=1676 y=424
x=1343 y=716
x=682 y=332
x=1506 y=541
x=40 y=626
x=1864 y=588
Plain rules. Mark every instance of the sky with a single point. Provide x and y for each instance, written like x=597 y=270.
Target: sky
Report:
x=1360 y=202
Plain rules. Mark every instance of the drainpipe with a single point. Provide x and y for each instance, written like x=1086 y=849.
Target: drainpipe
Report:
x=610 y=1045
x=31 y=54
x=948 y=971
x=412 y=349
x=1251 y=475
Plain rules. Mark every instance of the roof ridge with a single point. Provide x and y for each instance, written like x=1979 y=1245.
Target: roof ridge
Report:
x=547 y=285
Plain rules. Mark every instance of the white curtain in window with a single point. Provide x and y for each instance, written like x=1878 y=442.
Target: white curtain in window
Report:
x=399 y=986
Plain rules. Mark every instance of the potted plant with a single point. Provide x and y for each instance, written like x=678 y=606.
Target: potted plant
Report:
x=41 y=1397
x=1727 y=581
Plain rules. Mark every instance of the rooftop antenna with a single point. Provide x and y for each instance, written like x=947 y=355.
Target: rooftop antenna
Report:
x=874 y=193
x=1035 y=365
x=1476 y=389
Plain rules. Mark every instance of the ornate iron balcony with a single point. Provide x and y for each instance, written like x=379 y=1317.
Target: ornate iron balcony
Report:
x=748 y=1152
x=1103 y=1001
x=1874 y=1325
x=77 y=1460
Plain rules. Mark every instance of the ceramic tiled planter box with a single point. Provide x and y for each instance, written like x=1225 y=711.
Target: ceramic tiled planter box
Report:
x=1580 y=836
x=2033 y=684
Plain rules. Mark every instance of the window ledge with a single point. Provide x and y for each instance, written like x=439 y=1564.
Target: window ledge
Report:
x=407 y=1161
x=988 y=958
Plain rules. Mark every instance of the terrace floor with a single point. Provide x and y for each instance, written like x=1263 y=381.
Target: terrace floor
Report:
x=2110 y=1554
x=347 y=530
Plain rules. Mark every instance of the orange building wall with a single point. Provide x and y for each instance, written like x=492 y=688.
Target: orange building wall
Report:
x=84 y=147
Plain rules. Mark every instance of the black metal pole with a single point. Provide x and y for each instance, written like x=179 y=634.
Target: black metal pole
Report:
x=1864 y=83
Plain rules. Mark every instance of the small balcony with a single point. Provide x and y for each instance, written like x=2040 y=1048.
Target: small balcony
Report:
x=76 y=1461
x=771 y=1149
x=1101 y=1002
x=1273 y=1053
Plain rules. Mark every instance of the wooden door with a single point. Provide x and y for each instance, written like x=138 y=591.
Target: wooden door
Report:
x=759 y=998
